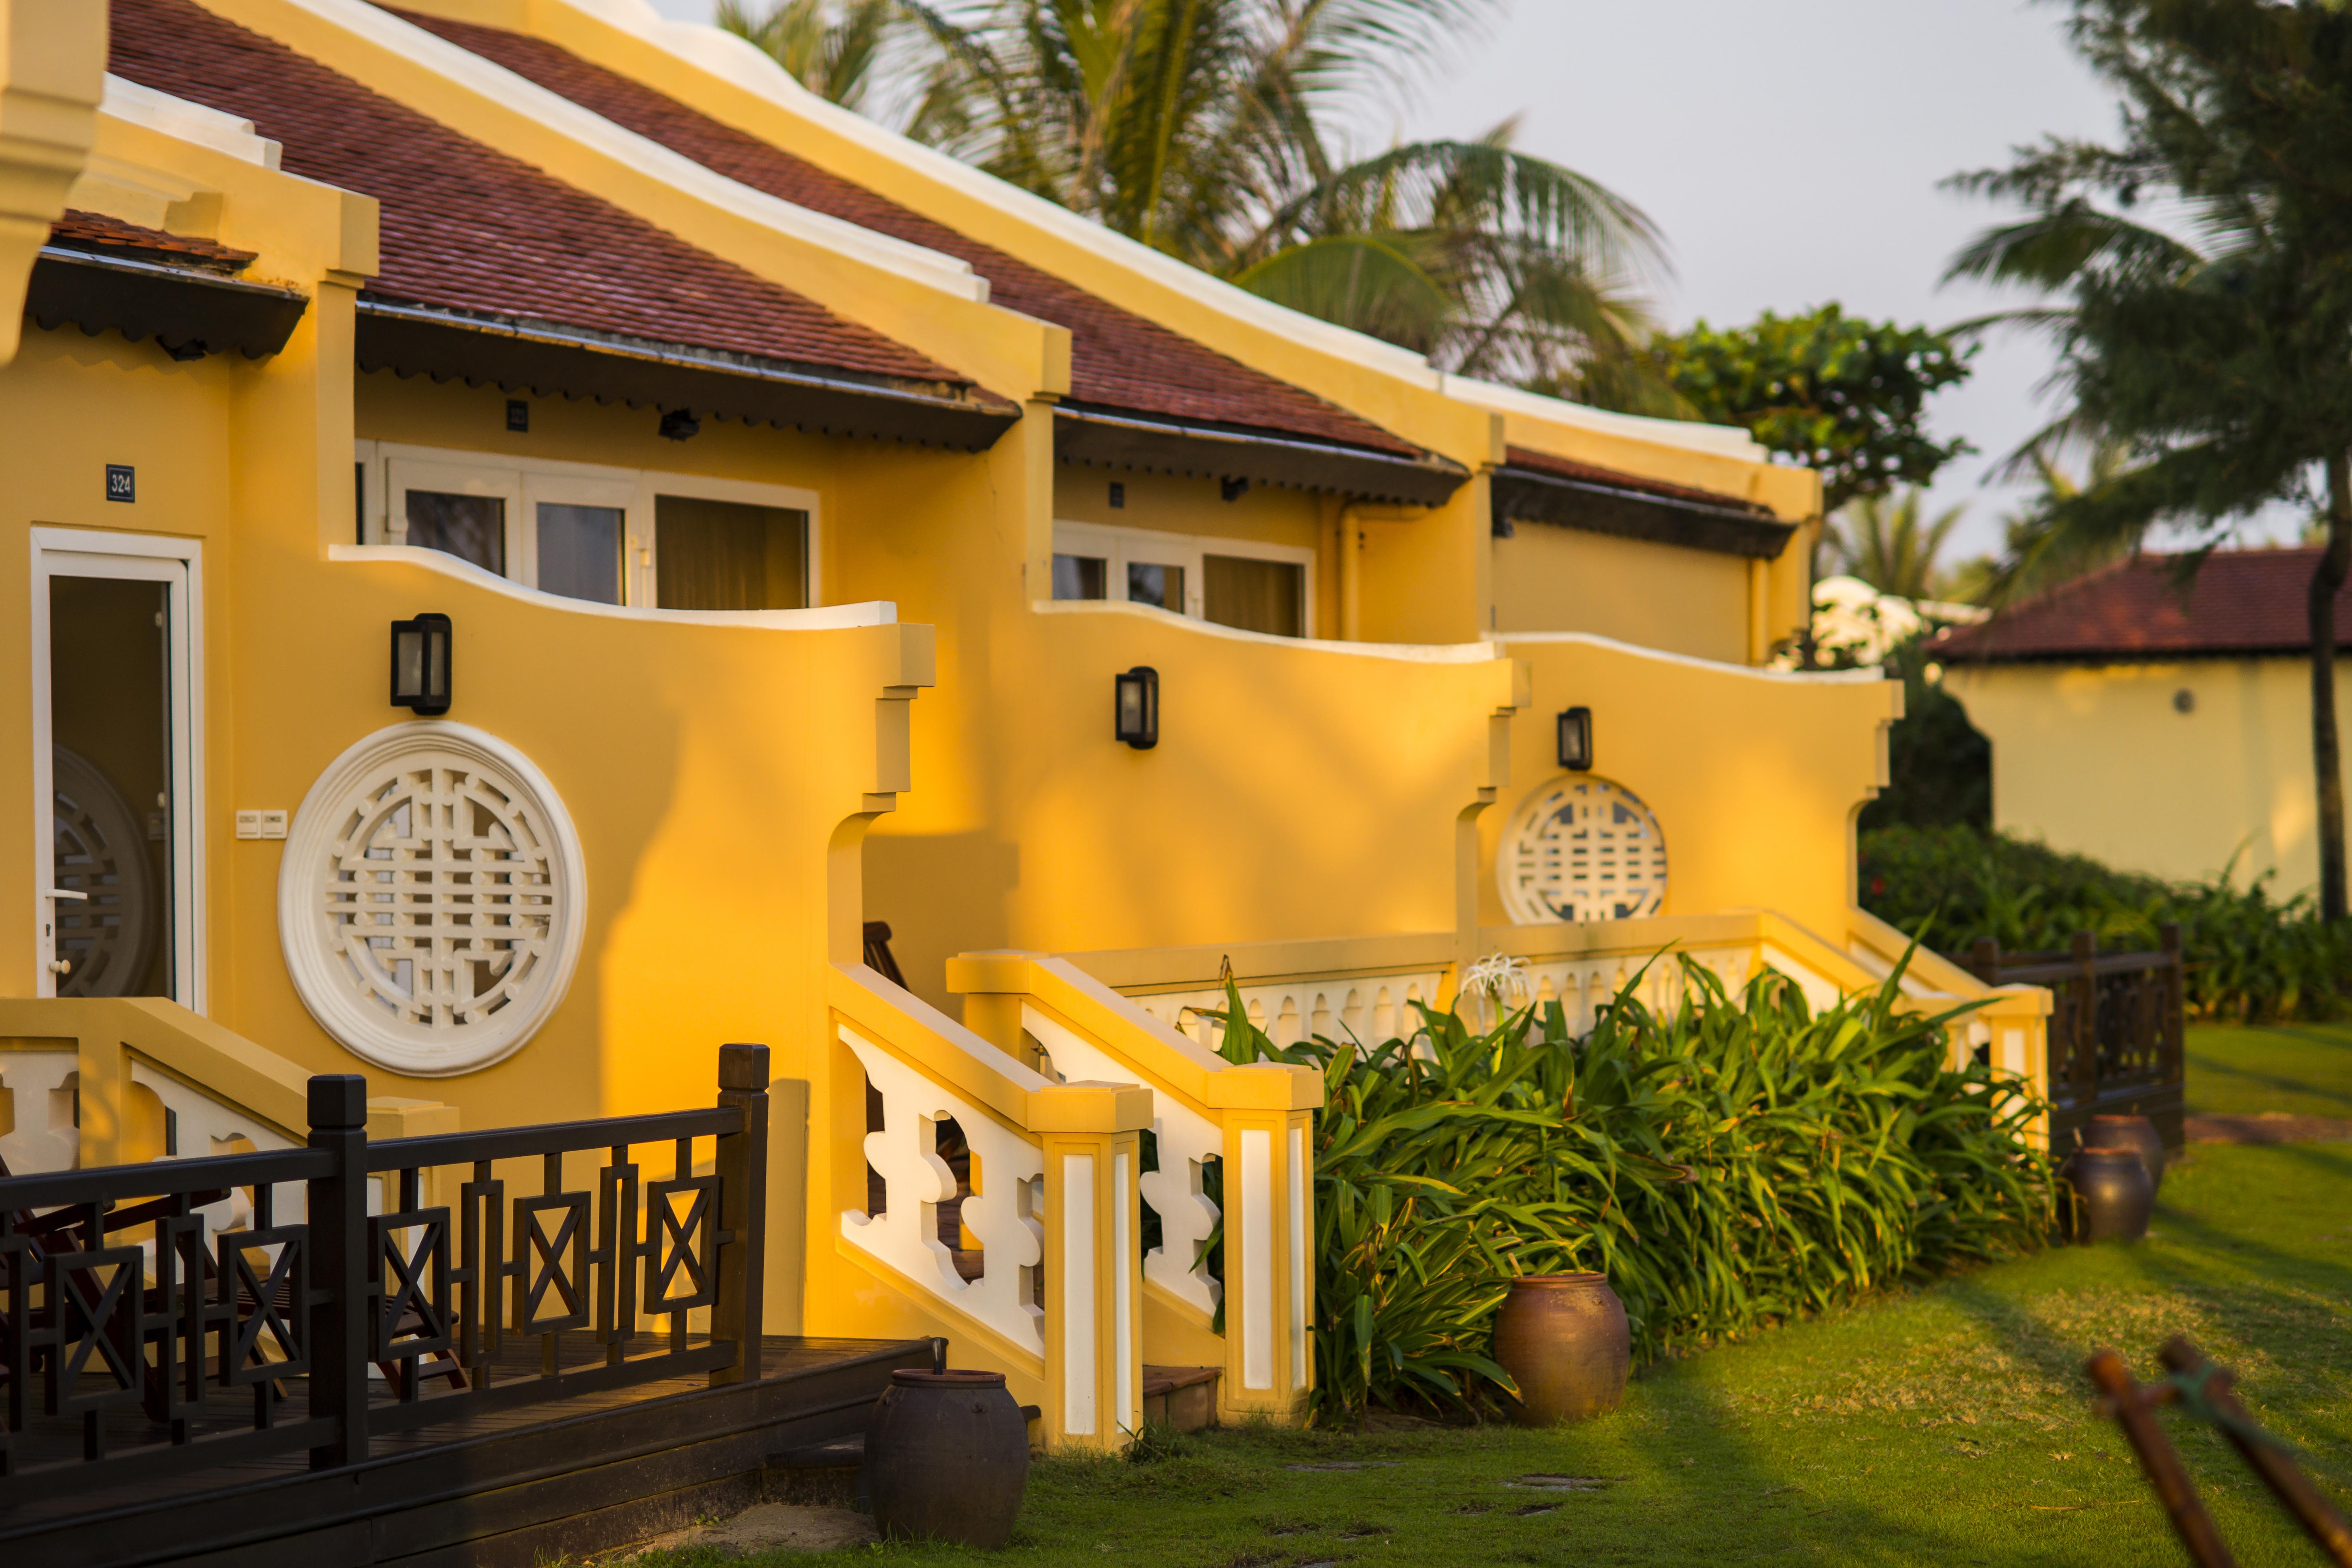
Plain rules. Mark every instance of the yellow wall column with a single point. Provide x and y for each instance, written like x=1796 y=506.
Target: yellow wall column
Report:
x=1269 y=1215
x=1093 y=1259
x=52 y=74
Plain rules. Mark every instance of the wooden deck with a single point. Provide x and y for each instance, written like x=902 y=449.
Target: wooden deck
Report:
x=499 y=1487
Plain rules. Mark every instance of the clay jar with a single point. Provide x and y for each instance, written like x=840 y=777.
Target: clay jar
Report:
x=2112 y=1193
x=1562 y=1338
x=2135 y=1132
x=946 y=1455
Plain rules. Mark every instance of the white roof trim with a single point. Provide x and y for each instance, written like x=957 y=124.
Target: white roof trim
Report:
x=1721 y=440
x=1403 y=652
x=471 y=71
x=196 y=123
x=1720 y=666
x=738 y=62
x=824 y=618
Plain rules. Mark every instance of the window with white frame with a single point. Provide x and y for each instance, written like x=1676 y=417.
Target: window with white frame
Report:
x=1233 y=582
x=584 y=530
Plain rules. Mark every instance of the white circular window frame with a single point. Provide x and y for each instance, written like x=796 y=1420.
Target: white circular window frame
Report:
x=1526 y=909
x=307 y=937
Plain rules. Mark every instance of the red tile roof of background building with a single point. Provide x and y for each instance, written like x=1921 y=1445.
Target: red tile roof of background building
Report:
x=1118 y=359
x=1592 y=473
x=2242 y=602
x=467 y=228
x=104 y=235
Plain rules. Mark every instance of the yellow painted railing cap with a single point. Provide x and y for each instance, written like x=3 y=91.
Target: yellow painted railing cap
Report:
x=1266 y=1086
x=1089 y=1108
x=986 y=972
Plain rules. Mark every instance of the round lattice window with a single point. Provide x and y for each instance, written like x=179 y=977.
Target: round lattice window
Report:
x=431 y=898
x=1581 y=848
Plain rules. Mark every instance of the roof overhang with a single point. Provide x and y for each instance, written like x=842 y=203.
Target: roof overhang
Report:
x=551 y=359
x=1112 y=438
x=1530 y=495
x=189 y=311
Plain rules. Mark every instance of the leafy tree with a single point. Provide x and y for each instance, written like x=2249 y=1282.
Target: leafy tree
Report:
x=1203 y=128
x=2036 y=553
x=1886 y=541
x=2216 y=343
x=1842 y=396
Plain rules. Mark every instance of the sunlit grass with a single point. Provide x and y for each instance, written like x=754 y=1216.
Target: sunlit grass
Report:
x=1945 y=1425
x=2302 y=1069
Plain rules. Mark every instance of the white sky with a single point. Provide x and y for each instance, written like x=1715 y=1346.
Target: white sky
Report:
x=1791 y=152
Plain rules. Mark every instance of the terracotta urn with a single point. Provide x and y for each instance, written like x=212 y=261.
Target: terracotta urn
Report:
x=1563 y=1339
x=2113 y=1195
x=947 y=1457
x=2136 y=1132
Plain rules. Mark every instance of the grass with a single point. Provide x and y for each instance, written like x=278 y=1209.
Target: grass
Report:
x=1945 y=1425
x=2302 y=1069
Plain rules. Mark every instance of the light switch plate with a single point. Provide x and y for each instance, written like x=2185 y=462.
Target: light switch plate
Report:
x=262 y=824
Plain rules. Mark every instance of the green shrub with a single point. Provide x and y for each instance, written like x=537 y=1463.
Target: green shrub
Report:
x=1729 y=1163
x=2248 y=956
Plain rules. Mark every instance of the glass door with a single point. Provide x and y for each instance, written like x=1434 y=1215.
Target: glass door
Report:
x=114 y=696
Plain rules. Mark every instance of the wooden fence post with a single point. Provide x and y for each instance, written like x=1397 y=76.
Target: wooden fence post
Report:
x=339 y=1302
x=2083 y=1050
x=1984 y=958
x=742 y=1166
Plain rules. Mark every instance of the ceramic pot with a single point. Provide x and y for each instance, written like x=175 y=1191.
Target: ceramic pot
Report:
x=2136 y=1132
x=1562 y=1338
x=2112 y=1194
x=946 y=1455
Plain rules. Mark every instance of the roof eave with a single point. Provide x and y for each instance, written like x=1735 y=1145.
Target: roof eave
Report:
x=190 y=312
x=1529 y=495
x=1118 y=438
x=552 y=358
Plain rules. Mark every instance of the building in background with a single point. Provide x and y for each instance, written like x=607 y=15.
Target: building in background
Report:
x=2156 y=726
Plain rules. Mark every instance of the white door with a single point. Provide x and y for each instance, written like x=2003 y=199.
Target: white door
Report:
x=116 y=730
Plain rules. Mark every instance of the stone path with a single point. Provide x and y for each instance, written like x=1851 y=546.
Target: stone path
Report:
x=769 y=1527
x=2269 y=1127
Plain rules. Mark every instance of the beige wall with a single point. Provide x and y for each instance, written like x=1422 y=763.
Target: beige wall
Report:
x=1691 y=601
x=2097 y=760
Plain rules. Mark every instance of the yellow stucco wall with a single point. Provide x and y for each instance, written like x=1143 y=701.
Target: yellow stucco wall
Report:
x=1692 y=602
x=1755 y=776
x=2098 y=760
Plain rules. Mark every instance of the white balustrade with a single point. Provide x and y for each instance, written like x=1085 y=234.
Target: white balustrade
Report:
x=1372 y=1009
x=1186 y=1139
x=39 y=1086
x=1001 y=1216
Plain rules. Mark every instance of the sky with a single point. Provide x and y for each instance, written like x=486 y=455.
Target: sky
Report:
x=1792 y=153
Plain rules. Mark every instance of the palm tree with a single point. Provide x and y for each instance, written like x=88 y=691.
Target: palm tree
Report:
x=1886 y=541
x=2038 y=551
x=832 y=53
x=1201 y=128
x=2216 y=345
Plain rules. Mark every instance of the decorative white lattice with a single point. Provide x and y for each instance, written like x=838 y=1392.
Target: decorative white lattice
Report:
x=430 y=900
x=1581 y=848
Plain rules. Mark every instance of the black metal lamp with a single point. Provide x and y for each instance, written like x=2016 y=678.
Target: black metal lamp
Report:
x=1137 y=711
x=1576 y=740
x=420 y=663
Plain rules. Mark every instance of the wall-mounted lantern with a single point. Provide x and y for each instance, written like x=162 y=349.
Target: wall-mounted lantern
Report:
x=1138 y=707
x=420 y=663
x=1576 y=740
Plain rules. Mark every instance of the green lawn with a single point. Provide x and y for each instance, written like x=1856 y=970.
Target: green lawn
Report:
x=1945 y=1425
x=2305 y=1069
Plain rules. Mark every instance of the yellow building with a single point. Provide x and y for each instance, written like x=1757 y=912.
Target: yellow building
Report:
x=2157 y=731
x=820 y=532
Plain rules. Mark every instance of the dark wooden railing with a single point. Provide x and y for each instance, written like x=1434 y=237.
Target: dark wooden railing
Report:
x=2116 y=1029
x=130 y=1350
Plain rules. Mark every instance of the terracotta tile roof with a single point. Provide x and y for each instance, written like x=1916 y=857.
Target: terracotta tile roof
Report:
x=1118 y=359
x=469 y=228
x=1592 y=473
x=105 y=236
x=2242 y=602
